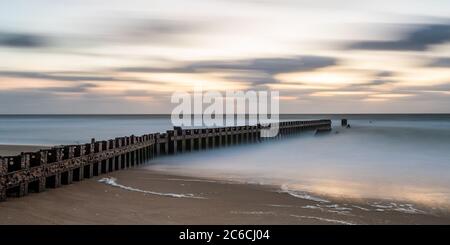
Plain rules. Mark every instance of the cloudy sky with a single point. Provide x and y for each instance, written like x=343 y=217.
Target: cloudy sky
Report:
x=324 y=56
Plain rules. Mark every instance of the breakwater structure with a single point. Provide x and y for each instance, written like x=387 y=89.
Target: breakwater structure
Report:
x=33 y=172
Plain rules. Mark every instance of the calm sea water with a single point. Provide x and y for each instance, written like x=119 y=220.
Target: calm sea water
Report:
x=404 y=157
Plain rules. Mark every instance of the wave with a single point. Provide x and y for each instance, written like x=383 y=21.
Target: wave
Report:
x=301 y=194
x=323 y=219
x=113 y=182
x=326 y=206
x=399 y=207
x=252 y=212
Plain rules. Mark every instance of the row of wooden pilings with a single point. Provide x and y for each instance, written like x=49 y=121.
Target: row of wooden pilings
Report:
x=62 y=165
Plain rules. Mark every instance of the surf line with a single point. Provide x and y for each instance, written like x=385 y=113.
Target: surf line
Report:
x=113 y=182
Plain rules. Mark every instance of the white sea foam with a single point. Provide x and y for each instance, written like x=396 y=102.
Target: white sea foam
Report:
x=337 y=207
x=301 y=194
x=361 y=208
x=113 y=182
x=312 y=207
x=334 y=208
x=399 y=207
x=323 y=219
x=252 y=212
x=195 y=180
x=280 y=205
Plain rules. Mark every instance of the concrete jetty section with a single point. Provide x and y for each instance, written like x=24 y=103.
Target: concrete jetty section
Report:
x=62 y=165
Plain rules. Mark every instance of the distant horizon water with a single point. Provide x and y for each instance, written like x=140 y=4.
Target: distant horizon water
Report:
x=57 y=129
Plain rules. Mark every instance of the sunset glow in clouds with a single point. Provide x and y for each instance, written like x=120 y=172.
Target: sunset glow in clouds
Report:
x=129 y=56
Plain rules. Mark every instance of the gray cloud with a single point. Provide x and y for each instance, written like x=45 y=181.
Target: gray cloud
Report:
x=23 y=40
x=384 y=74
x=128 y=31
x=161 y=27
x=442 y=87
x=380 y=78
x=270 y=65
x=255 y=79
x=71 y=77
x=255 y=71
x=42 y=101
x=79 y=88
x=439 y=87
x=264 y=65
x=55 y=76
x=150 y=30
x=418 y=40
x=144 y=93
x=368 y=86
x=377 y=82
x=441 y=62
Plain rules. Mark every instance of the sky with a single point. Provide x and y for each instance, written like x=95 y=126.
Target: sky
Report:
x=323 y=56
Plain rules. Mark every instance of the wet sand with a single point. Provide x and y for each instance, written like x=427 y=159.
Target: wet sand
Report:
x=212 y=202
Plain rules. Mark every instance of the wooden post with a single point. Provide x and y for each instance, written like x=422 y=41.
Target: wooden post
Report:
x=41 y=187
x=58 y=180
x=183 y=141
x=175 y=141
x=206 y=136
x=3 y=171
x=70 y=177
x=158 y=145
x=113 y=164
x=166 y=144
x=213 y=135
x=23 y=189
x=25 y=161
x=192 y=140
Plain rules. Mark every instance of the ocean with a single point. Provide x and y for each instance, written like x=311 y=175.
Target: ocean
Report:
x=392 y=157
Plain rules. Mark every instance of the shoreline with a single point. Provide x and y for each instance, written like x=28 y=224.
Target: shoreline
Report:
x=140 y=196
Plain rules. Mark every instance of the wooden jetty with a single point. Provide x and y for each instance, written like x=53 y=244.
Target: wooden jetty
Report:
x=62 y=165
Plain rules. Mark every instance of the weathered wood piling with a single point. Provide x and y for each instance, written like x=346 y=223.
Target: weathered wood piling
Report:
x=62 y=165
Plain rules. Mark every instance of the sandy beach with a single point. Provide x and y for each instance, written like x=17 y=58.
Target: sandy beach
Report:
x=140 y=196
